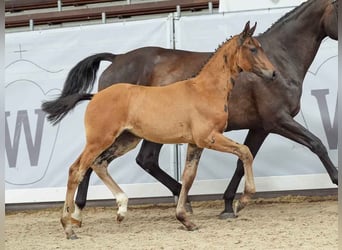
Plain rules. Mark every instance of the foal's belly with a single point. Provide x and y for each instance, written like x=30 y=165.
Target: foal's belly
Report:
x=163 y=130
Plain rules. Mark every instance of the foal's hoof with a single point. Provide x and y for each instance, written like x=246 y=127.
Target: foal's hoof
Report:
x=188 y=207
x=195 y=228
x=119 y=218
x=76 y=222
x=192 y=227
x=73 y=237
x=70 y=235
x=226 y=215
x=238 y=206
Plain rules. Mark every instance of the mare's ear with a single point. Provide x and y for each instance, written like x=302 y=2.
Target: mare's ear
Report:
x=245 y=33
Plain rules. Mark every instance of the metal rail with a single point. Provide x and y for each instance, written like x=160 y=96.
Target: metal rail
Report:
x=118 y=11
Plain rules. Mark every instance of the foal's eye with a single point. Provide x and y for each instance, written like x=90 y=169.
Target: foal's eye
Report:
x=253 y=50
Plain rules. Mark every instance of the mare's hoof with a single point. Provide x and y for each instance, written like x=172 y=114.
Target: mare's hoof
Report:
x=335 y=182
x=227 y=215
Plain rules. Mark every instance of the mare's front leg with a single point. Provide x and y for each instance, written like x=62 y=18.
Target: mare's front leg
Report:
x=148 y=159
x=292 y=130
x=253 y=141
x=189 y=173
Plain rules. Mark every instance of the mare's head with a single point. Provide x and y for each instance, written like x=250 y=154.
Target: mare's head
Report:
x=329 y=19
x=250 y=55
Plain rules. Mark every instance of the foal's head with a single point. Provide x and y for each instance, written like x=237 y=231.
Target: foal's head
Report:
x=250 y=55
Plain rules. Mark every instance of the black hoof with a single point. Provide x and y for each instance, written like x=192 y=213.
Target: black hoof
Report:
x=226 y=215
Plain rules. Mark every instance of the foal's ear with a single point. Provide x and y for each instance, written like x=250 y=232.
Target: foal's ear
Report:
x=245 y=33
x=251 y=31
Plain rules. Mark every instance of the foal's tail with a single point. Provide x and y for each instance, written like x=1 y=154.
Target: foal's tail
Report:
x=58 y=108
x=80 y=81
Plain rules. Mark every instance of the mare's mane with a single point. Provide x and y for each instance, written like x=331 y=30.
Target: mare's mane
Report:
x=289 y=15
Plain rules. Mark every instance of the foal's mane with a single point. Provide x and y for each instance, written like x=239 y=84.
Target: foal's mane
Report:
x=211 y=56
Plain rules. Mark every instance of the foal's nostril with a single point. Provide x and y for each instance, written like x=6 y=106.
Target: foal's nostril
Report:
x=274 y=75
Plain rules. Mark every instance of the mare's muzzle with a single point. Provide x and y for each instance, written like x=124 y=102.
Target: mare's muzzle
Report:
x=268 y=74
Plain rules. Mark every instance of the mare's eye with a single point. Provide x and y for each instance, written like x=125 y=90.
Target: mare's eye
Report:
x=253 y=50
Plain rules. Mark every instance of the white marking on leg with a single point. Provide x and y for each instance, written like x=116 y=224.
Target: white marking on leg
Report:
x=77 y=214
x=122 y=201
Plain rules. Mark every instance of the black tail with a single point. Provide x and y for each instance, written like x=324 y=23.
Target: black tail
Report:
x=79 y=82
x=58 y=108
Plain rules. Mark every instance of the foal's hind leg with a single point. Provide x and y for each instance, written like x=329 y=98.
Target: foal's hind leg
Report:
x=189 y=174
x=124 y=143
x=119 y=148
x=76 y=173
x=120 y=196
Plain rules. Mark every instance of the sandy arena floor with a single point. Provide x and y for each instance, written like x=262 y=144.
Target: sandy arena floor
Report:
x=282 y=223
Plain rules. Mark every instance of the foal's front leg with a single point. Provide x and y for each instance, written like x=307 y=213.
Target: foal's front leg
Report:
x=219 y=142
x=254 y=140
x=189 y=174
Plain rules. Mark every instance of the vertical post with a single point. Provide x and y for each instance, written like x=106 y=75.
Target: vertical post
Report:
x=172 y=31
x=339 y=94
x=210 y=7
x=104 y=18
x=128 y=1
x=59 y=5
x=339 y=145
x=31 y=24
x=178 y=11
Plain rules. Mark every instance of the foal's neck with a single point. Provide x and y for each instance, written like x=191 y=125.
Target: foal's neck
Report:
x=216 y=74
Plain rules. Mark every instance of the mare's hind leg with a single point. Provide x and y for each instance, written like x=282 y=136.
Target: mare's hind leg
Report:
x=189 y=173
x=219 y=142
x=148 y=159
x=124 y=143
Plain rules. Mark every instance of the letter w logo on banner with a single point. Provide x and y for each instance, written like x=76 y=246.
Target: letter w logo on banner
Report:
x=33 y=145
x=329 y=128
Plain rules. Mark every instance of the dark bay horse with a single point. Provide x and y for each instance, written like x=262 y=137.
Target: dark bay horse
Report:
x=140 y=111
x=291 y=44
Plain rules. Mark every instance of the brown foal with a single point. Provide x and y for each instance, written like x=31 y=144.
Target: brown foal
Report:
x=194 y=111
